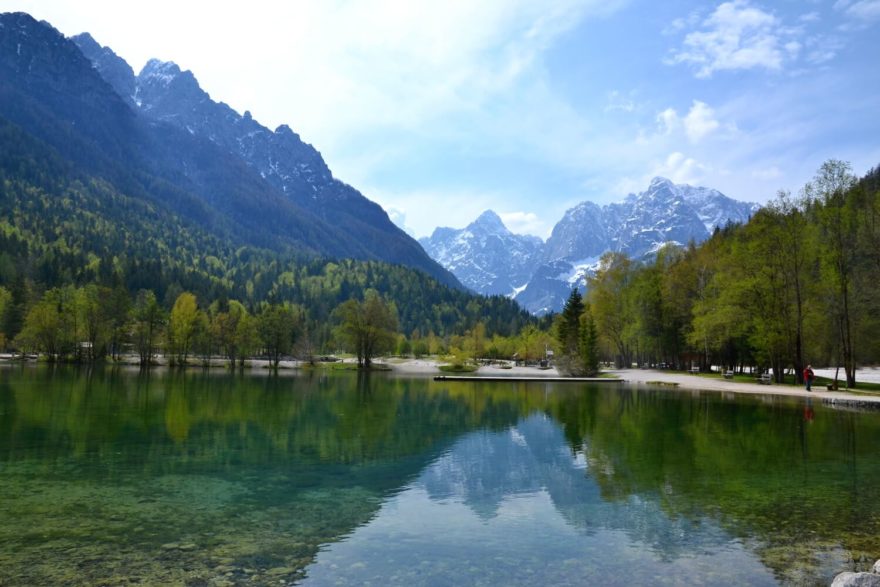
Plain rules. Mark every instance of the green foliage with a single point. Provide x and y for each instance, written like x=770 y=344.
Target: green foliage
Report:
x=611 y=299
x=148 y=319
x=795 y=285
x=5 y=306
x=182 y=326
x=568 y=324
x=45 y=327
x=576 y=339
x=63 y=224
x=367 y=328
x=588 y=343
x=277 y=327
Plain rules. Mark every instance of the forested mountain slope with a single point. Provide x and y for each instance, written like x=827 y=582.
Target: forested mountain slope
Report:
x=51 y=91
x=93 y=191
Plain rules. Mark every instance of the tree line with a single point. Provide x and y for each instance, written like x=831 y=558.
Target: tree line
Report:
x=61 y=226
x=795 y=285
x=94 y=323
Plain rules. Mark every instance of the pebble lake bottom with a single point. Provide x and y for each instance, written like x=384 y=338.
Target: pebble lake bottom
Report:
x=115 y=477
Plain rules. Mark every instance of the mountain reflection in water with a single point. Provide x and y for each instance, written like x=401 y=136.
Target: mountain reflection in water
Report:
x=118 y=478
x=519 y=506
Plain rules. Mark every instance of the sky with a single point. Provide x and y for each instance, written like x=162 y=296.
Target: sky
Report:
x=441 y=110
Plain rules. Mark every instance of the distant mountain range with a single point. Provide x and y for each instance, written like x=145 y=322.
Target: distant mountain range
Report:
x=488 y=258
x=159 y=139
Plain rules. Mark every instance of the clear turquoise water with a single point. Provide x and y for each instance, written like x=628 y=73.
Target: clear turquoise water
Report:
x=117 y=478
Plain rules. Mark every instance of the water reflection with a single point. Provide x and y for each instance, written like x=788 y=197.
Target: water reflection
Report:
x=117 y=477
x=518 y=506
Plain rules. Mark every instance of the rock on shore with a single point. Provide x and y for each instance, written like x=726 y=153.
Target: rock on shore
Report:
x=871 y=579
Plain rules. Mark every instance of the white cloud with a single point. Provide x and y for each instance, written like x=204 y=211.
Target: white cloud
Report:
x=620 y=102
x=681 y=169
x=767 y=173
x=426 y=209
x=525 y=223
x=810 y=17
x=335 y=68
x=628 y=185
x=668 y=121
x=697 y=124
x=680 y=24
x=822 y=48
x=700 y=122
x=865 y=10
x=398 y=217
x=416 y=211
x=737 y=35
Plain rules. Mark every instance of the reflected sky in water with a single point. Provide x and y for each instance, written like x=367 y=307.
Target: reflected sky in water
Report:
x=115 y=477
x=519 y=507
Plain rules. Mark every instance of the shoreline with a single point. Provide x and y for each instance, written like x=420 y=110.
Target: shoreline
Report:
x=426 y=367
x=677 y=380
x=699 y=383
x=681 y=381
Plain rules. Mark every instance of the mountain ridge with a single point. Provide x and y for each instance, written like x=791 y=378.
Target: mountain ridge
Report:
x=542 y=277
x=93 y=192
x=485 y=256
x=335 y=219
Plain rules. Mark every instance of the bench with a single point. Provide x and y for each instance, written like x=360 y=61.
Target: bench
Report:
x=765 y=379
x=694 y=370
x=728 y=374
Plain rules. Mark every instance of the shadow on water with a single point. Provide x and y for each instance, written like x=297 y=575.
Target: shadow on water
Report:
x=206 y=477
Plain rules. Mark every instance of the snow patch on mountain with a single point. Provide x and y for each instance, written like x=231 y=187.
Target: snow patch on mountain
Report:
x=488 y=258
x=580 y=269
x=485 y=255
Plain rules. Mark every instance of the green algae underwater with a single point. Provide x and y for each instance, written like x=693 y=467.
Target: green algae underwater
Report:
x=114 y=477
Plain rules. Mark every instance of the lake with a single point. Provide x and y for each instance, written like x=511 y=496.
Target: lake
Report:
x=120 y=478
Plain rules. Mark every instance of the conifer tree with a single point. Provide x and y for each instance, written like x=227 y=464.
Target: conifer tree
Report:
x=589 y=343
x=568 y=335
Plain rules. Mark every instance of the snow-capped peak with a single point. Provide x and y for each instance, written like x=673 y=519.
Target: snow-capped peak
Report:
x=158 y=71
x=489 y=221
x=659 y=182
x=485 y=256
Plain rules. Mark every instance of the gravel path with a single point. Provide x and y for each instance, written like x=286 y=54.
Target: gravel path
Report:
x=710 y=383
x=683 y=380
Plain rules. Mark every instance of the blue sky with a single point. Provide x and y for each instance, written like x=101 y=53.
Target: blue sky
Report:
x=440 y=110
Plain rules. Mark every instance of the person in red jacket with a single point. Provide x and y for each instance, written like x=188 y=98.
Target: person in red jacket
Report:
x=809 y=376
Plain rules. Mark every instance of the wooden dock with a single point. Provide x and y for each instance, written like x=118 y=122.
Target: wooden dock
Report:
x=512 y=379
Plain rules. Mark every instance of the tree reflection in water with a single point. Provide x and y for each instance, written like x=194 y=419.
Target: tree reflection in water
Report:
x=111 y=475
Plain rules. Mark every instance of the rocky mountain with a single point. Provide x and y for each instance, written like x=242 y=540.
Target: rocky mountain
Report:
x=485 y=255
x=638 y=226
x=160 y=138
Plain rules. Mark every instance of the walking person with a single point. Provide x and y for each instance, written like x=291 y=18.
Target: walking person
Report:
x=809 y=376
